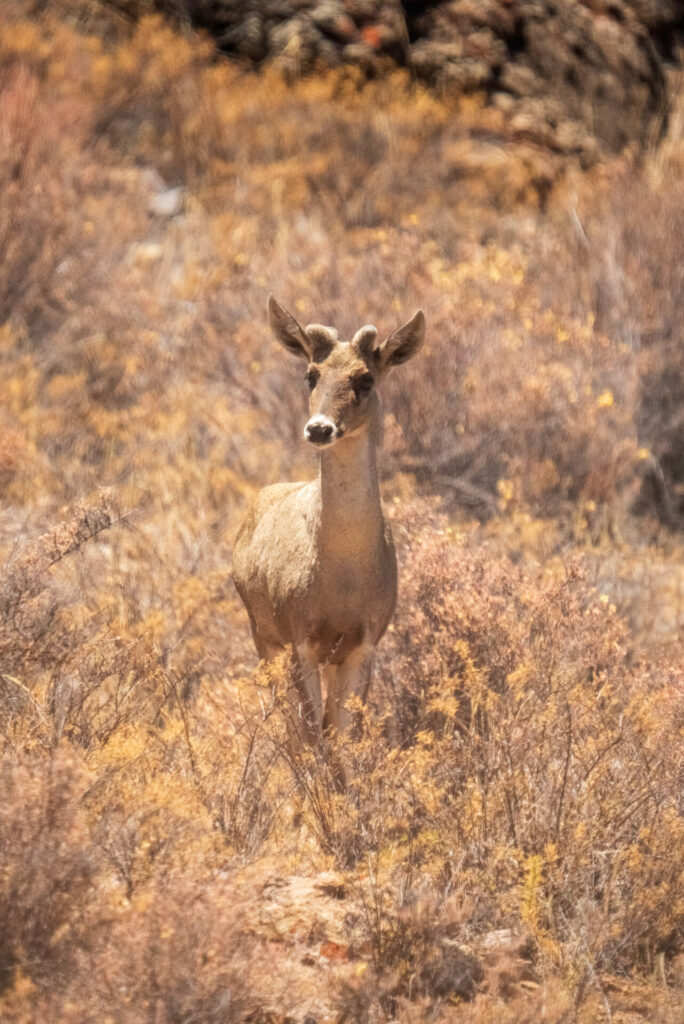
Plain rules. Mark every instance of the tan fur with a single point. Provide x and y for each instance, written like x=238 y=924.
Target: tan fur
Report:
x=314 y=563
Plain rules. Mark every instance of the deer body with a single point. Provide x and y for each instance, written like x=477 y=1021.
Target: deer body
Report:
x=314 y=563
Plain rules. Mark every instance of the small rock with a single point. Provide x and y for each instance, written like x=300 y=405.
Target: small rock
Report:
x=466 y=75
x=145 y=253
x=335 y=951
x=501 y=937
x=520 y=80
x=360 y=54
x=168 y=203
x=331 y=19
x=429 y=57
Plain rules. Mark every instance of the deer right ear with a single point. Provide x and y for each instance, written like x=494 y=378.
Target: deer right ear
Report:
x=288 y=332
x=402 y=345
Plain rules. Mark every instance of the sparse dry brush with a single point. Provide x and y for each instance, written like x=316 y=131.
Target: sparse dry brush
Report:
x=558 y=781
x=511 y=847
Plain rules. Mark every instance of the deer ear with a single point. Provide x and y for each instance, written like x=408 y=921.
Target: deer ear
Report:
x=288 y=332
x=401 y=345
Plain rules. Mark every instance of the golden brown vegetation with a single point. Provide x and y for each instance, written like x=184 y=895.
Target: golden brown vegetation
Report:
x=512 y=847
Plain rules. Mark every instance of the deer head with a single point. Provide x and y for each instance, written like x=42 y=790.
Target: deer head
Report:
x=343 y=376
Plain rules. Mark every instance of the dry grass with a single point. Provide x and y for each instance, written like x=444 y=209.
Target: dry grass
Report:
x=512 y=845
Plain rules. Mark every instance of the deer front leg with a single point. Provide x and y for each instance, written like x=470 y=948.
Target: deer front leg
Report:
x=305 y=694
x=352 y=679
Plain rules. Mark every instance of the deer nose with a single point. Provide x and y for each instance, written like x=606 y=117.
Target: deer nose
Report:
x=319 y=430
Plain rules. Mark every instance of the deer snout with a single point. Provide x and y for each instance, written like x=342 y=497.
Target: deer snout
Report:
x=320 y=430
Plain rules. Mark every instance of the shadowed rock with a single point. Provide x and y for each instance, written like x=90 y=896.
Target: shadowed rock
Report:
x=574 y=74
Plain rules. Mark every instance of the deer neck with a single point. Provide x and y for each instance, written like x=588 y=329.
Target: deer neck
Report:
x=350 y=508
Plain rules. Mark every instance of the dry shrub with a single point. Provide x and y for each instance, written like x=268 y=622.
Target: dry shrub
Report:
x=636 y=252
x=150 y=95
x=521 y=408
x=420 y=963
x=180 y=950
x=65 y=673
x=534 y=784
x=71 y=946
x=117 y=799
x=48 y=867
x=241 y=752
x=550 y=749
x=40 y=167
x=520 y=772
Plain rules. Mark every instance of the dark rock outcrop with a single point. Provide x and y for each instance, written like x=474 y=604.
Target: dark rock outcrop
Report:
x=576 y=75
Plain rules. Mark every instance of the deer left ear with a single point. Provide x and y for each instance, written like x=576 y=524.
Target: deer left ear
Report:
x=288 y=331
x=402 y=344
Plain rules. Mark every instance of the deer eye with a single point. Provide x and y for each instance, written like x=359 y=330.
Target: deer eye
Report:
x=311 y=379
x=362 y=385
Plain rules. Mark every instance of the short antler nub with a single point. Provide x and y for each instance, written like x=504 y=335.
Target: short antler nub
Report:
x=364 y=340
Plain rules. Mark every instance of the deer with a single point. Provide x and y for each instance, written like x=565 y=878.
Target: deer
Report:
x=314 y=562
